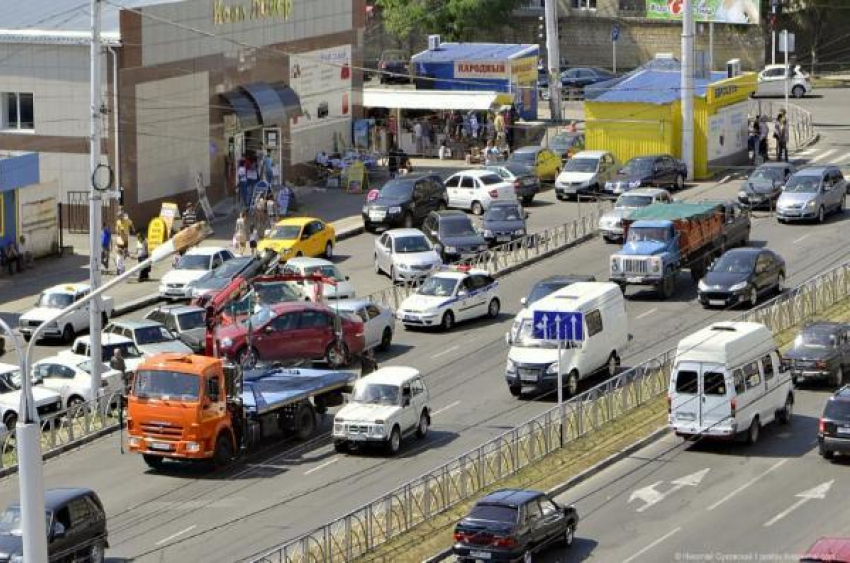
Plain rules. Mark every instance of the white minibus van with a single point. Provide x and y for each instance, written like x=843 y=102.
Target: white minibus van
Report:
x=728 y=381
x=532 y=365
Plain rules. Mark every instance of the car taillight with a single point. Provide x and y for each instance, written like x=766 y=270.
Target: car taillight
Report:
x=517 y=184
x=822 y=426
x=383 y=65
x=459 y=537
x=733 y=406
x=507 y=542
x=494 y=193
x=820 y=364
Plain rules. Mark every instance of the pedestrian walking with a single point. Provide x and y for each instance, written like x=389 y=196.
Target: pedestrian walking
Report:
x=240 y=234
x=284 y=197
x=253 y=176
x=26 y=253
x=260 y=212
x=12 y=257
x=142 y=254
x=368 y=363
x=474 y=126
x=123 y=229
x=242 y=182
x=780 y=133
x=763 y=131
x=119 y=261
x=253 y=239
x=499 y=126
x=268 y=168
x=190 y=217
x=105 y=246
x=117 y=363
x=417 y=137
x=271 y=209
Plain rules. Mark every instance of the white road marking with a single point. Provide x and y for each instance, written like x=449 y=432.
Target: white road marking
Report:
x=653 y=544
x=844 y=160
x=646 y=314
x=823 y=155
x=725 y=179
x=445 y=408
x=448 y=350
x=650 y=497
x=802 y=238
x=172 y=536
x=818 y=492
x=322 y=466
x=809 y=150
x=752 y=481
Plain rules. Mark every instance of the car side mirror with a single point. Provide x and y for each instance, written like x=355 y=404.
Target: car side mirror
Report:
x=347 y=278
x=523 y=301
x=58 y=530
x=346 y=398
x=268 y=329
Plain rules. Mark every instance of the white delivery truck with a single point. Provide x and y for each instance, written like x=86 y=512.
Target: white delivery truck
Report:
x=532 y=365
x=727 y=382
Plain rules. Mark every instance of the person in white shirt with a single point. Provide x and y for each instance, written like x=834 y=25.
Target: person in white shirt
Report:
x=445 y=152
x=417 y=136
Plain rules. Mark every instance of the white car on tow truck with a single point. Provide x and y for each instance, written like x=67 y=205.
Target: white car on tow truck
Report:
x=54 y=299
x=449 y=296
x=386 y=406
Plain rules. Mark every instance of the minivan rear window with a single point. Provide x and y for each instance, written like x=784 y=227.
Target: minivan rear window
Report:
x=713 y=383
x=837 y=410
x=494 y=513
x=686 y=382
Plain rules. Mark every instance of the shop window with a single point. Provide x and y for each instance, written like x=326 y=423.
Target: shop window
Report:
x=583 y=4
x=17 y=111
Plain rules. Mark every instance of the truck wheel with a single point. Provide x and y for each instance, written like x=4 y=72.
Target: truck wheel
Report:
x=393 y=445
x=493 y=308
x=341 y=447
x=668 y=285
x=679 y=184
x=798 y=91
x=821 y=214
x=753 y=432
x=787 y=411
x=305 y=422
x=572 y=384
x=153 y=461
x=824 y=453
x=336 y=355
x=223 y=451
x=68 y=334
x=422 y=428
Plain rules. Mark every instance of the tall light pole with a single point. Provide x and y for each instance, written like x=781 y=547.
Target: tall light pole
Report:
x=94 y=196
x=553 y=58
x=687 y=87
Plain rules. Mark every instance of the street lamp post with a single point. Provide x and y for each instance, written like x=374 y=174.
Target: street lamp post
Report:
x=28 y=430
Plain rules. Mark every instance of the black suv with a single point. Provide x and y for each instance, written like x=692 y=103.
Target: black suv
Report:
x=511 y=525
x=76 y=527
x=453 y=235
x=834 y=428
x=405 y=201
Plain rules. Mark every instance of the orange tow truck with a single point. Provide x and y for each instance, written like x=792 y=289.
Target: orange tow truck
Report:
x=186 y=407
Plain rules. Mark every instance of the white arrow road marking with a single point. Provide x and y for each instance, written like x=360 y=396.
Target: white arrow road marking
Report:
x=652 y=497
x=818 y=492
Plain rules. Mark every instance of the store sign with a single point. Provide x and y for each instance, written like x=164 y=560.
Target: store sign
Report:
x=480 y=69
x=253 y=10
x=524 y=71
x=719 y=11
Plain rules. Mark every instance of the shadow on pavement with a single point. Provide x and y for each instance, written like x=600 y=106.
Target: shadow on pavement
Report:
x=775 y=441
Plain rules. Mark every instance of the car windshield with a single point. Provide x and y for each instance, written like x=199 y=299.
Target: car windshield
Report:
x=86 y=367
x=405 y=245
x=457 y=227
x=494 y=513
x=397 y=190
x=55 y=300
x=543 y=289
x=518 y=168
x=10 y=521
x=637 y=166
x=644 y=234
x=325 y=270
x=525 y=157
x=581 y=165
x=837 y=410
x=734 y=263
x=286 y=232
x=128 y=350
x=438 y=287
x=767 y=174
x=275 y=292
x=229 y=268
x=155 y=384
x=193 y=262
x=188 y=321
x=153 y=335
x=816 y=337
x=631 y=200
x=803 y=185
x=375 y=393
x=503 y=213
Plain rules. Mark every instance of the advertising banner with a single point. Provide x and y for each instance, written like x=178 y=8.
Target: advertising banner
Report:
x=718 y=11
x=727 y=132
x=481 y=69
x=322 y=80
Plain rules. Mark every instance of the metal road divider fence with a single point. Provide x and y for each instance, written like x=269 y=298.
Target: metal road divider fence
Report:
x=62 y=430
x=505 y=257
x=364 y=529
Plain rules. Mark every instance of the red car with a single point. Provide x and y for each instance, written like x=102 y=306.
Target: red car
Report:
x=293 y=331
x=828 y=550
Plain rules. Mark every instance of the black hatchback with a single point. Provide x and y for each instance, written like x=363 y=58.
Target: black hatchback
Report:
x=742 y=275
x=405 y=202
x=513 y=524
x=76 y=527
x=834 y=427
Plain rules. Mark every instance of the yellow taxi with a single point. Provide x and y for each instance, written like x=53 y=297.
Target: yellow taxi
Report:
x=545 y=162
x=300 y=236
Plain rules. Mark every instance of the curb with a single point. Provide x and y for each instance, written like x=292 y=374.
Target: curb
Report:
x=135 y=304
x=350 y=233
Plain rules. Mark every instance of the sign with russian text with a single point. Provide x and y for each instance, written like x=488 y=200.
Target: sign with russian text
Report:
x=481 y=69
x=718 y=11
x=254 y=10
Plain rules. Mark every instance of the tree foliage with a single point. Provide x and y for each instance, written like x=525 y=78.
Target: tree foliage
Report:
x=455 y=20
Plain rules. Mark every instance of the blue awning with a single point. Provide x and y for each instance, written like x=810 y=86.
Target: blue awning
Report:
x=244 y=108
x=263 y=104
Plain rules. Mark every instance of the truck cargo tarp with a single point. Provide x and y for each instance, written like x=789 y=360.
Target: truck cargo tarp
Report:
x=264 y=391
x=672 y=211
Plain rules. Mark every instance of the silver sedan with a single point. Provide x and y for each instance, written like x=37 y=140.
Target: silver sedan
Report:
x=405 y=255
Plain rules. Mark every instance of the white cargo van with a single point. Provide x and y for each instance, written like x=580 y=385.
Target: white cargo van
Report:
x=728 y=381
x=532 y=365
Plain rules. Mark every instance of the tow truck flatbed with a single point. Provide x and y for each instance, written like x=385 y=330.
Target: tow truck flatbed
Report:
x=266 y=390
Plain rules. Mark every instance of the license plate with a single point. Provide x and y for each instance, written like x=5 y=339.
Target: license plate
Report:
x=377 y=216
x=161 y=446
x=634 y=280
x=842 y=430
x=685 y=416
x=503 y=239
x=528 y=378
x=409 y=318
x=716 y=302
x=480 y=554
x=357 y=438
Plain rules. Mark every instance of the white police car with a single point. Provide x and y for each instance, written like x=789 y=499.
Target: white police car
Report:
x=450 y=296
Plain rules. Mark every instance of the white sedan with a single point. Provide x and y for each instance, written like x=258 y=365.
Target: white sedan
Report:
x=306 y=266
x=405 y=254
x=451 y=296
x=69 y=375
x=47 y=402
x=192 y=266
x=378 y=321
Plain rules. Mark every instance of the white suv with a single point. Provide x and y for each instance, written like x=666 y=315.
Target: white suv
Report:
x=386 y=406
x=476 y=189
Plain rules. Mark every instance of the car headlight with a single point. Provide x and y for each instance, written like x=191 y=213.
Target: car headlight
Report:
x=134 y=441
x=615 y=265
x=450 y=249
x=365 y=209
x=394 y=209
x=227 y=342
x=635 y=184
x=738 y=286
x=193 y=447
x=552 y=369
x=487 y=233
x=742 y=193
x=811 y=204
x=510 y=366
x=702 y=286
x=520 y=232
x=403 y=266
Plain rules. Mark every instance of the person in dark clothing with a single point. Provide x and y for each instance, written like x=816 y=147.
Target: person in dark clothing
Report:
x=142 y=255
x=190 y=217
x=368 y=363
x=105 y=245
x=11 y=257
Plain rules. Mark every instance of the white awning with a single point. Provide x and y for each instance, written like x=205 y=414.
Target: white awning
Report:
x=429 y=99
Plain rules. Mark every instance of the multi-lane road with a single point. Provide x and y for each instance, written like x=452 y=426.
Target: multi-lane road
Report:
x=190 y=515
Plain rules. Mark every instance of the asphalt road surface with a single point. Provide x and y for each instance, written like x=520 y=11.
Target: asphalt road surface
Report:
x=188 y=515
